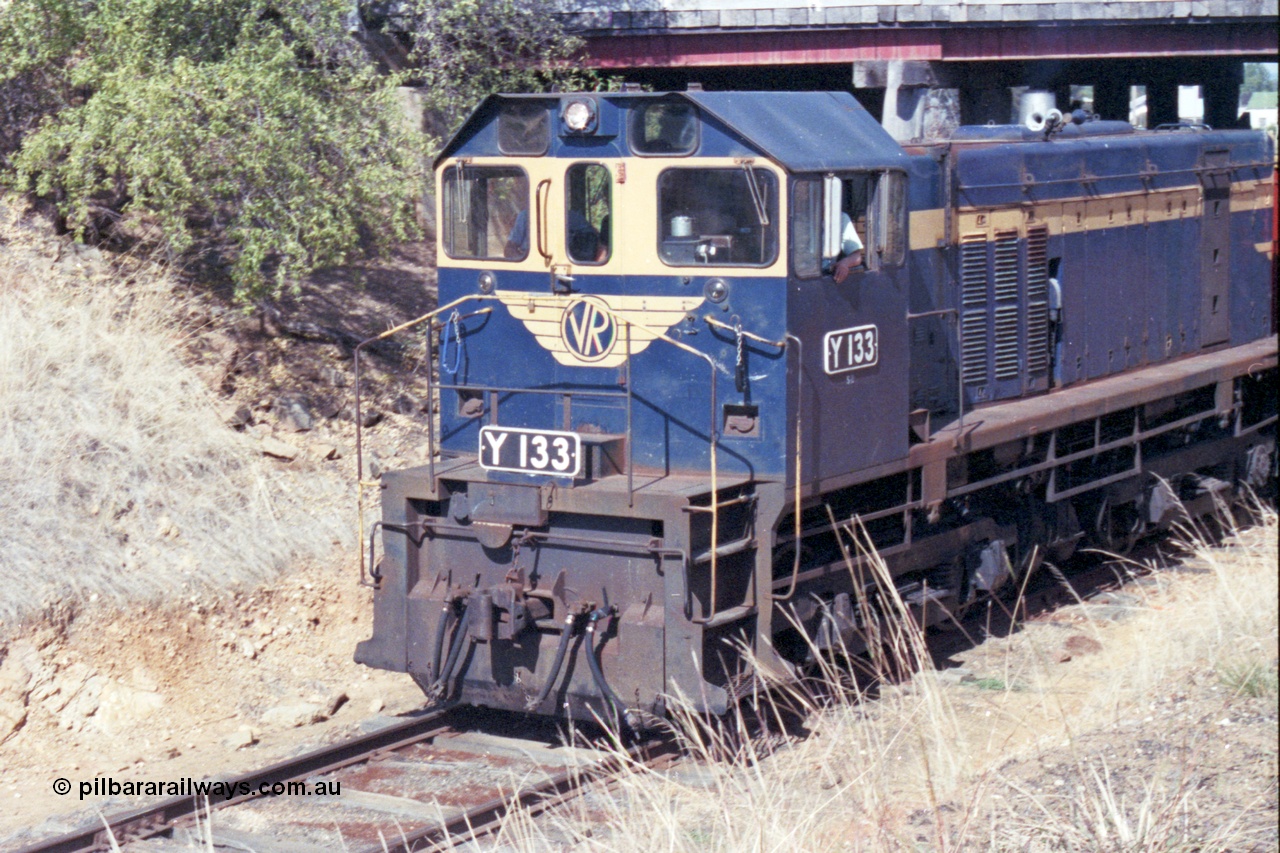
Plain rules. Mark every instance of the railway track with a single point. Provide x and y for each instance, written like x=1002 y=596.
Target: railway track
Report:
x=430 y=784
x=423 y=784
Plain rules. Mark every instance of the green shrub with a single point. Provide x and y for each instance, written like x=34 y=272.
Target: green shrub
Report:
x=261 y=132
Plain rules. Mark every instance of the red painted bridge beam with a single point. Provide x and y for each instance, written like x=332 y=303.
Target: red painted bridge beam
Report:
x=964 y=42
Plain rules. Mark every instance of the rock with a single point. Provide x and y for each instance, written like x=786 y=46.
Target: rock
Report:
x=1063 y=656
x=142 y=680
x=1079 y=644
x=242 y=417
x=376 y=705
x=13 y=713
x=336 y=701
x=373 y=467
x=15 y=687
x=323 y=451
x=83 y=704
x=66 y=686
x=406 y=404
x=166 y=529
x=293 y=715
x=956 y=675
x=247 y=648
x=334 y=377
x=370 y=417
x=21 y=661
x=330 y=409
x=294 y=412
x=121 y=706
x=241 y=738
x=272 y=446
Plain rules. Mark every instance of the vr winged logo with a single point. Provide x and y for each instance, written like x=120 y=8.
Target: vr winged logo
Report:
x=596 y=330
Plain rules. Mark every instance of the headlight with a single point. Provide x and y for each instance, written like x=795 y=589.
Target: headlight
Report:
x=579 y=115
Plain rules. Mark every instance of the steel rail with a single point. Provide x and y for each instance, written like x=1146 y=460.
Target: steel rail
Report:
x=487 y=817
x=153 y=820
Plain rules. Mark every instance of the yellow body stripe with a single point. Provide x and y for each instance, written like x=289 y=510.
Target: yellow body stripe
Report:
x=634 y=215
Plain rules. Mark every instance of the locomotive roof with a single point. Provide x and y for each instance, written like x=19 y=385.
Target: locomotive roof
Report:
x=802 y=131
x=805 y=131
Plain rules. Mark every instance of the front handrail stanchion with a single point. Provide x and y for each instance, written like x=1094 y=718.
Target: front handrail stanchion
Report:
x=630 y=456
x=795 y=562
x=361 y=483
x=713 y=433
x=714 y=436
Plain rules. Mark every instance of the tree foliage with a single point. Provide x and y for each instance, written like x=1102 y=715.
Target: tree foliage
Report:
x=260 y=131
x=1258 y=77
x=464 y=50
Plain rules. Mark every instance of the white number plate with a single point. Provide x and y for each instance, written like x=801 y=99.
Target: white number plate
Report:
x=850 y=349
x=531 y=451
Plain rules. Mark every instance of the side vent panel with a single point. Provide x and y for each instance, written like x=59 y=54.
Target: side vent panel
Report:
x=1005 y=273
x=973 y=308
x=1037 y=301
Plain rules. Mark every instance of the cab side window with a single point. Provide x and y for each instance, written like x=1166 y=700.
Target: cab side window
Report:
x=888 y=206
x=806 y=227
x=842 y=223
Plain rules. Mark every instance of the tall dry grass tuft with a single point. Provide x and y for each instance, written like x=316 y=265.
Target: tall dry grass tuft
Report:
x=117 y=477
x=1225 y=619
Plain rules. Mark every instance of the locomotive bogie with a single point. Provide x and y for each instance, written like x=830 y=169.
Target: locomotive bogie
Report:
x=730 y=380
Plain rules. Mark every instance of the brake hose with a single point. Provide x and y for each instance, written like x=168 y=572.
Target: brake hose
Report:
x=594 y=663
x=437 y=645
x=561 y=648
x=441 y=687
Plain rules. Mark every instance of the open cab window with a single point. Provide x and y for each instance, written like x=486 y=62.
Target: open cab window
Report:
x=486 y=212
x=823 y=208
x=718 y=216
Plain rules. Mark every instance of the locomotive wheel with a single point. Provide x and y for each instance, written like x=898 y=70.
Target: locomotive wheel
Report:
x=1118 y=528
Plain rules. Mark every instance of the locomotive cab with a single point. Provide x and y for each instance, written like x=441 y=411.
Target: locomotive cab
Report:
x=691 y=346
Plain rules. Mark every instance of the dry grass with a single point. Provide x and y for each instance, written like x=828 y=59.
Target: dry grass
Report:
x=924 y=767
x=119 y=479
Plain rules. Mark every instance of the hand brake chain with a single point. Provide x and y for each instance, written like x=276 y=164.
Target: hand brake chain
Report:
x=740 y=375
x=455 y=323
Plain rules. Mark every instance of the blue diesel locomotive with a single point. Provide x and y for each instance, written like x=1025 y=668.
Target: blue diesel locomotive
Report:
x=693 y=346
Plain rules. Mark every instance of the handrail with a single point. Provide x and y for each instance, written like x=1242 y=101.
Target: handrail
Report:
x=712 y=321
x=713 y=433
x=541 y=217
x=361 y=484
x=795 y=563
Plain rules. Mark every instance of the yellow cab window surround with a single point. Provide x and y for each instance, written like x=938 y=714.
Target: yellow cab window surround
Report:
x=485 y=211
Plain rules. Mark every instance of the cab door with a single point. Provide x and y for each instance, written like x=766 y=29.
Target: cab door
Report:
x=854 y=386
